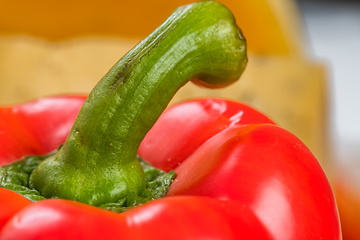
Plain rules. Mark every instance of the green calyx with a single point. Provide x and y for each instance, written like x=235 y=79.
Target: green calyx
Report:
x=97 y=163
x=15 y=177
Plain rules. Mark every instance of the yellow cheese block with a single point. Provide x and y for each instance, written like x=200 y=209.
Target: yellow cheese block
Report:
x=32 y=67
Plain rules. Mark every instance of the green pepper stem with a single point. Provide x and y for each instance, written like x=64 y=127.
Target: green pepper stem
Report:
x=97 y=163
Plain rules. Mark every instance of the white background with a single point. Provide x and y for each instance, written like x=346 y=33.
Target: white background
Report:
x=333 y=29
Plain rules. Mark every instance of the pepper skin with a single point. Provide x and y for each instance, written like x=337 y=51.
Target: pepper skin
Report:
x=250 y=160
x=37 y=127
x=244 y=181
x=174 y=218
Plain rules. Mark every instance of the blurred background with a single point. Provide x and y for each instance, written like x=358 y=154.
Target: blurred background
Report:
x=333 y=33
x=303 y=67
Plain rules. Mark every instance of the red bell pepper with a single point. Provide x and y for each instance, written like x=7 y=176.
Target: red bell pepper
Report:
x=37 y=127
x=242 y=177
x=226 y=150
x=239 y=176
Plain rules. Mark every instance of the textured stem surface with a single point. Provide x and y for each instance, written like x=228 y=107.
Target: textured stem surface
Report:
x=97 y=164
